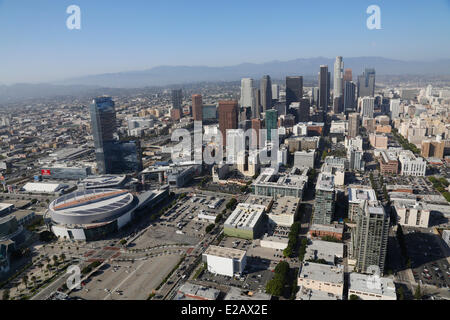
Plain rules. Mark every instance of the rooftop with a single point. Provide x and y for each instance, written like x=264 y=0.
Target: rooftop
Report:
x=325 y=182
x=322 y=272
x=360 y=282
x=358 y=195
x=223 y=252
x=245 y=215
x=238 y=294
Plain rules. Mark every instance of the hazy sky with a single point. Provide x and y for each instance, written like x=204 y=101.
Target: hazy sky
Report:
x=118 y=35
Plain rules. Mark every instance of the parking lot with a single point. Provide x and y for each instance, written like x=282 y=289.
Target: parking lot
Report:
x=429 y=264
x=127 y=280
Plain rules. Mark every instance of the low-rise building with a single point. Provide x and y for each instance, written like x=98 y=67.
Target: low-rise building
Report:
x=412 y=215
x=328 y=252
x=368 y=287
x=323 y=278
x=190 y=291
x=246 y=221
x=225 y=261
x=326 y=230
x=283 y=211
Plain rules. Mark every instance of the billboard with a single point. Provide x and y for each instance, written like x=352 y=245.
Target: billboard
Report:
x=46 y=172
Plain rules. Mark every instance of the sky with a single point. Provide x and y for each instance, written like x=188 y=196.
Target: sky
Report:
x=119 y=35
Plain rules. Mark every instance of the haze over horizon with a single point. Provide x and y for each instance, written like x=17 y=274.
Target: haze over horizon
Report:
x=38 y=47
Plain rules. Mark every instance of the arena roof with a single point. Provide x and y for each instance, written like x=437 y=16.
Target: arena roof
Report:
x=92 y=206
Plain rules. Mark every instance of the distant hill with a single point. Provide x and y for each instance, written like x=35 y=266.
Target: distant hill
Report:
x=171 y=75
x=167 y=75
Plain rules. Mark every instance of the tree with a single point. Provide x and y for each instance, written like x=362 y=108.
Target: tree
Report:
x=275 y=287
x=418 y=293
x=401 y=293
x=210 y=227
x=354 y=297
x=218 y=218
x=5 y=294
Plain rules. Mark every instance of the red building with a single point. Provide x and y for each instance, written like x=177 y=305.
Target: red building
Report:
x=228 y=117
x=197 y=105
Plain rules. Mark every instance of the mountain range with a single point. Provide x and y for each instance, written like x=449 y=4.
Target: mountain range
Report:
x=170 y=75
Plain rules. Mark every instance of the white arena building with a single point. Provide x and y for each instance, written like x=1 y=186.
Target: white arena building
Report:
x=91 y=214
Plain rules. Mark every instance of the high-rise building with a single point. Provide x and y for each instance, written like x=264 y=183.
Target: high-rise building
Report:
x=349 y=96
x=353 y=125
x=395 y=108
x=325 y=199
x=177 y=98
x=324 y=86
x=338 y=81
x=433 y=148
x=197 y=107
x=256 y=109
x=271 y=122
x=348 y=75
x=247 y=93
x=228 y=117
x=113 y=156
x=256 y=127
x=303 y=111
x=266 y=93
x=370 y=237
x=366 y=84
x=294 y=90
x=275 y=92
x=367 y=107
x=103 y=126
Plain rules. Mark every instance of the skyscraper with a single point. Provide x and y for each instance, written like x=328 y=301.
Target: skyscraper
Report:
x=103 y=126
x=256 y=126
x=395 y=108
x=349 y=96
x=338 y=81
x=271 y=122
x=367 y=107
x=256 y=110
x=275 y=91
x=366 y=83
x=113 y=156
x=324 y=93
x=294 y=90
x=266 y=93
x=353 y=125
x=197 y=107
x=177 y=98
x=228 y=117
x=370 y=237
x=247 y=93
x=348 y=75
x=325 y=199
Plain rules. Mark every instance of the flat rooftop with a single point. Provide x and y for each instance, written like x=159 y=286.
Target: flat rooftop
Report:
x=284 y=206
x=260 y=200
x=328 y=227
x=238 y=294
x=358 y=282
x=325 y=182
x=325 y=250
x=223 y=252
x=245 y=215
x=358 y=195
x=194 y=290
x=314 y=295
x=322 y=272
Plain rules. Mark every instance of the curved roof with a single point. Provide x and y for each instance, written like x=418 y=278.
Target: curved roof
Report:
x=92 y=206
